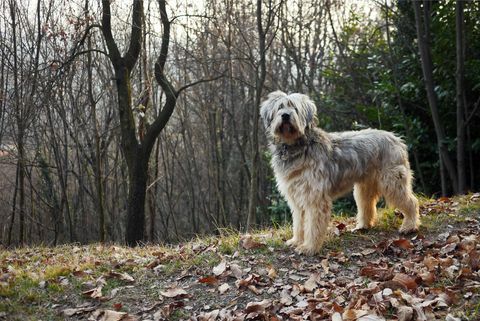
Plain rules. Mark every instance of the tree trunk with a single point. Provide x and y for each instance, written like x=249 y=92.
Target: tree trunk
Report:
x=260 y=80
x=408 y=130
x=423 y=38
x=460 y=95
x=137 y=182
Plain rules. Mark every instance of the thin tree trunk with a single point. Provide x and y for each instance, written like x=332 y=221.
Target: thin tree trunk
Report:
x=408 y=129
x=20 y=128
x=423 y=38
x=96 y=135
x=259 y=83
x=460 y=88
x=14 y=209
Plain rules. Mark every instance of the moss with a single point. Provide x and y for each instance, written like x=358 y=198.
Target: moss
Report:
x=53 y=272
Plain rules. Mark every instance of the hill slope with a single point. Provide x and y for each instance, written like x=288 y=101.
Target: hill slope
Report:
x=373 y=275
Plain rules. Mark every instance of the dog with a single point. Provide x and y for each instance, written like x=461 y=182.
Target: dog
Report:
x=313 y=167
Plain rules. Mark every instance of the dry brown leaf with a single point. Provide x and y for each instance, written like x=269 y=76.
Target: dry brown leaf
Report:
x=448 y=248
x=403 y=244
x=236 y=271
x=337 y=317
x=95 y=293
x=272 y=273
x=254 y=289
x=210 y=280
x=285 y=298
x=174 y=292
x=405 y=313
x=258 y=306
x=325 y=265
x=220 y=268
x=352 y=314
x=371 y=317
x=428 y=278
x=74 y=311
x=110 y=315
x=311 y=283
x=223 y=288
x=367 y=252
x=474 y=260
x=248 y=243
x=377 y=273
x=430 y=262
x=405 y=280
x=122 y=276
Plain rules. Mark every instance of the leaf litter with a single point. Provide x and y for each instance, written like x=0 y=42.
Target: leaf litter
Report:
x=370 y=276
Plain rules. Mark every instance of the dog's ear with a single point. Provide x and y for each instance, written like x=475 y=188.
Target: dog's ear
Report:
x=268 y=106
x=307 y=109
x=310 y=110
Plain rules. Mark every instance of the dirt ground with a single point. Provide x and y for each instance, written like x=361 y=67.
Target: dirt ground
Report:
x=370 y=275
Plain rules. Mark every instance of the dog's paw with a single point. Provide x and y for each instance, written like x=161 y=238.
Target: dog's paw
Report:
x=359 y=229
x=291 y=242
x=306 y=250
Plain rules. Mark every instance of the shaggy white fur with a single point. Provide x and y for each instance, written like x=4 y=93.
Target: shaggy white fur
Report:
x=313 y=167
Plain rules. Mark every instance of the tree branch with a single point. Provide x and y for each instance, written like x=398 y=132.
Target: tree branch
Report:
x=134 y=47
x=199 y=82
x=113 y=51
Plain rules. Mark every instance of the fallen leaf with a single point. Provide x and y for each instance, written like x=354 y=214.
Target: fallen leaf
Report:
x=352 y=314
x=405 y=313
x=220 y=268
x=236 y=271
x=371 y=317
x=210 y=280
x=95 y=293
x=223 y=288
x=272 y=273
x=377 y=273
x=254 y=289
x=448 y=248
x=174 y=292
x=75 y=311
x=248 y=243
x=403 y=244
x=367 y=252
x=405 y=280
x=337 y=317
x=122 y=276
x=110 y=315
x=311 y=283
x=257 y=306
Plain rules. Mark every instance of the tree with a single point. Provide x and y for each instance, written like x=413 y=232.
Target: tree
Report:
x=137 y=149
x=423 y=38
x=460 y=94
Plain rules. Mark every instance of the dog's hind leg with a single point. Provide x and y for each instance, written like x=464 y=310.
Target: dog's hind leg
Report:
x=397 y=189
x=366 y=196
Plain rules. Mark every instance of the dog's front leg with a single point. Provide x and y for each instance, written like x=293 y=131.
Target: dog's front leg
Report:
x=298 y=224
x=316 y=221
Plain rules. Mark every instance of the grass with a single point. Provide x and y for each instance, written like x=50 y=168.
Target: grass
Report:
x=24 y=296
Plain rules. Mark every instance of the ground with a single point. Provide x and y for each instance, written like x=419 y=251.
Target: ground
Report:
x=370 y=275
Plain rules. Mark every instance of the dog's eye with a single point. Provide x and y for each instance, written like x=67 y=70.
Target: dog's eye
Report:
x=280 y=107
x=296 y=109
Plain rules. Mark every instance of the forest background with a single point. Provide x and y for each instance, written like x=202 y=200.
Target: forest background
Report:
x=135 y=121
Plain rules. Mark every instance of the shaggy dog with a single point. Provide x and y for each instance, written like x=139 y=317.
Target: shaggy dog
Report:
x=313 y=168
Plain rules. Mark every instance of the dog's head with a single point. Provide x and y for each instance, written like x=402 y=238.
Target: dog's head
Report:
x=286 y=117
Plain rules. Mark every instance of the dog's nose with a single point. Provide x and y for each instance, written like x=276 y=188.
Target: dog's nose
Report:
x=285 y=117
